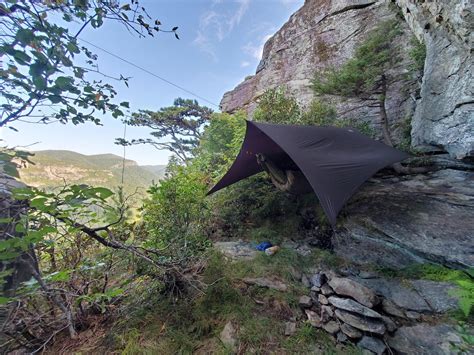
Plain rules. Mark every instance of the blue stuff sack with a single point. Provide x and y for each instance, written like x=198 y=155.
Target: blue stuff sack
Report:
x=263 y=245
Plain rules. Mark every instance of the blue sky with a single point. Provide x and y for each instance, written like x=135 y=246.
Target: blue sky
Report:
x=221 y=43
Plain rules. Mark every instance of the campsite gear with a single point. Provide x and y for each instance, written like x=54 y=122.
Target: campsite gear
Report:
x=272 y=250
x=334 y=161
x=263 y=245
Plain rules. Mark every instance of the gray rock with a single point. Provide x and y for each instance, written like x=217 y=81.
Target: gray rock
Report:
x=350 y=331
x=322 y=299
x=424 y=339
x=326 y=290
x=228 y=336
x=305 y=301
x=366 y=324
x=398 y=293
x=392 y=309
x=390 y=324
x=375 y=345
x=341 y=337
x=331 y=327
x=313 y=318
x=272 y=283
x=238 y=250
x=326 y=313
x=290 y=328
x=443 y=115
x=438 y=295
x=400 y=221
x=318 y=279
x=352 y=306
x=367 y=275
x=305 y=281
x=413 y=315
x=348 y=287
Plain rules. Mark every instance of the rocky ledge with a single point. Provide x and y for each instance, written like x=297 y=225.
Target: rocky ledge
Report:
x=379 y=315
x=398 y=221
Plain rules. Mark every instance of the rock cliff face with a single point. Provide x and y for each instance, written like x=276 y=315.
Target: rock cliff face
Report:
x=444 y=115
x=325 y=33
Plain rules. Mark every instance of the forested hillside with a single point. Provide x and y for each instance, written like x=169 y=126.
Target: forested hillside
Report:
x=52 y=168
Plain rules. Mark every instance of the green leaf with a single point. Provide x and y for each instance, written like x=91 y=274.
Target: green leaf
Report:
x=8 y=255
x=22 y=57
x=40 y=82
x=72 y=47
x=11 y=169
x=25 y=36
x=4 y=300
x=125 y=104
x=63 y=82
x=5 y=220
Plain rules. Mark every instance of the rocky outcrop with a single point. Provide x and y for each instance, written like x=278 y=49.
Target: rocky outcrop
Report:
x=398 y=221
x=376 y=328
x=444 y=115
x=325 y=33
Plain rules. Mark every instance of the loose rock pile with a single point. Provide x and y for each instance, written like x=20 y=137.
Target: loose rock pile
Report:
x=352 y=312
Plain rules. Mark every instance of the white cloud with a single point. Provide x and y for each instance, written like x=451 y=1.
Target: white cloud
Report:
x=216 y=25
x=205 y=45
x=244 y=64
x=255 y=49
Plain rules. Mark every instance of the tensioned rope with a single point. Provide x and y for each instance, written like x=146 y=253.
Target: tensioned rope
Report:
x=151 y=73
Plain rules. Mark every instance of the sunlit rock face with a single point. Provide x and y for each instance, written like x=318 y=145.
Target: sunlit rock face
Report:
x=325 y=33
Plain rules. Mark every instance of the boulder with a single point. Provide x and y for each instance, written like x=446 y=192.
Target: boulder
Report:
x=228 y=336
x=323 y=299
x=392 y=309
x=352 y=306
x=350 y=331
x=438 y=295
x=326 y=290
x=397 y=222
x=326 y=313
x=348 y=287
x=341 y=337
x=305 y=302
x=238 y=250
x=332 y=327
x=366 y=324
x=389 y=323
x=313 y=318
x=272 y=283
x=318 y=279
x=399 y=293
x=425 y=339
x=290 y=328
x=375 y=345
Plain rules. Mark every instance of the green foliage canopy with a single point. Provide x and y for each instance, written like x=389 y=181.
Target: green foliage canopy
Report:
x=41 y=78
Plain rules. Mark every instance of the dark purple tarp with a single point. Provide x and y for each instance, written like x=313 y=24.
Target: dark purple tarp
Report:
x=335 y=161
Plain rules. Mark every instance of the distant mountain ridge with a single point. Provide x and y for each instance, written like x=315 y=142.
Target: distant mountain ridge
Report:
x=52 y=168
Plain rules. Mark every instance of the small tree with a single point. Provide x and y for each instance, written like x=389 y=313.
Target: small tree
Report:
x=366 y=76
x=176 y=128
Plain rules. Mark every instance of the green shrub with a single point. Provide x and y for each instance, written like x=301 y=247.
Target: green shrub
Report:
x=276 y=106
x=176 y=213
x=417 y=53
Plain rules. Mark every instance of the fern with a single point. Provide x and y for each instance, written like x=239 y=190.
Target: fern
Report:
x=465 y=295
